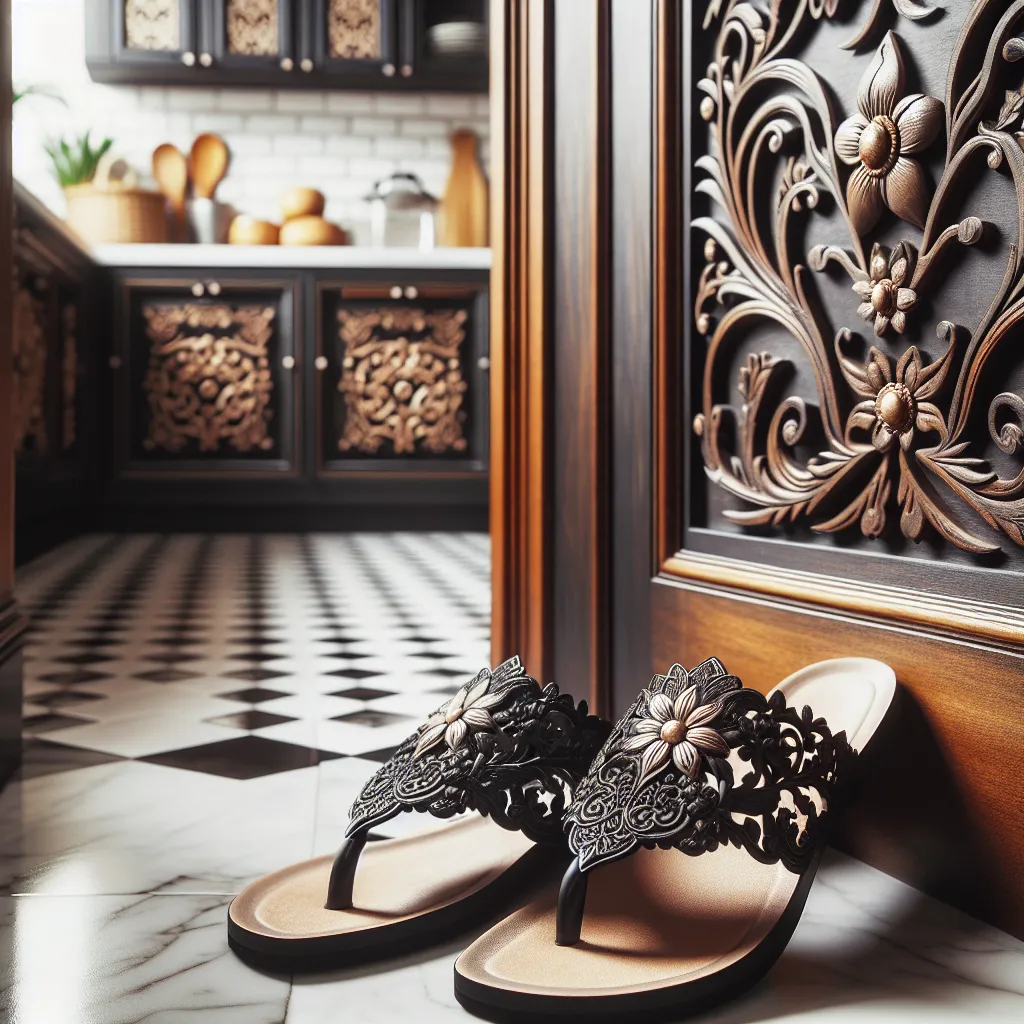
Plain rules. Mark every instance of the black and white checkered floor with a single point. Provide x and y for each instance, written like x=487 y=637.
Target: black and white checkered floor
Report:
x=244 y=656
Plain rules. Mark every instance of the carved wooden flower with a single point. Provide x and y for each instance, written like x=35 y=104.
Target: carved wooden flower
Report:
x=883 y=297
x=900 y=405
x=880 y=139
x=678 y=731
x=467 y=712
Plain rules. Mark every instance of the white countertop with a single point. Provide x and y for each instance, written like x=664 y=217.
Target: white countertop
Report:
x=276 y=257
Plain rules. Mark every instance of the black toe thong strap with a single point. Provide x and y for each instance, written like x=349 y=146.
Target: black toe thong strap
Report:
x=663 y=780
x=503 y=746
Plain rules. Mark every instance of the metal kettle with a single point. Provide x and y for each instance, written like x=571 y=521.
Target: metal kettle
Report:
x=402 y=212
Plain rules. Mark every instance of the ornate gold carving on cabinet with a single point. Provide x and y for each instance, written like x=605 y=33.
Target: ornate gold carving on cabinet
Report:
x=152 y=25
x=353 y=29
x=209 y=380
x=899 y=435
x=28 y=399
x=252 y=27
x=69 y=376
x=402 y=380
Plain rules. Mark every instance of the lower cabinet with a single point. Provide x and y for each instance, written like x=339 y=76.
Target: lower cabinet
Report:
x=300 y=398
x=402 y=378
x=204 y=376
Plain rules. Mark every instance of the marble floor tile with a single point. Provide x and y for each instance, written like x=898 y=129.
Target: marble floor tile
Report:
x=117 y=959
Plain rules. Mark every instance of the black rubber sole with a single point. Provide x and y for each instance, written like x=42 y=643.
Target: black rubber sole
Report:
x=663 y=1004
x=330 y=952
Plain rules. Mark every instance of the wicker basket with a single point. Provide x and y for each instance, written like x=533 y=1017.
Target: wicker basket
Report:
x=117 y=213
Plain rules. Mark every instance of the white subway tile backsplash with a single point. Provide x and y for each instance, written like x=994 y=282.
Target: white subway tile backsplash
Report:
x=402 y=104
x=271 y=124
x=400 y=149
x=262 y=168
x=350 y=102
x=298 y=145
x=245 y=100
x=450 y=106
x=371 y=169
x=348 y=145
x=191 y=99
x=330 y=127
x=219 y=123
x=374 y=126
x=423 y=127
x=246 y=146
x=300 y=102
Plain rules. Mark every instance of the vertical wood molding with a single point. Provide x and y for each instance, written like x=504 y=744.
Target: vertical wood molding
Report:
x=6 y=368
x=521 y=108
x=668 y=273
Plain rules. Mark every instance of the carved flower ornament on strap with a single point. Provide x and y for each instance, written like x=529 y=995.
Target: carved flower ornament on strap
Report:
x=503 y=745
x=663 y=778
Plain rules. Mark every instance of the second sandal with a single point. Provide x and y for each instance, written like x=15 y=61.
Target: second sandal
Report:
x=502 y=746
x=700 y=766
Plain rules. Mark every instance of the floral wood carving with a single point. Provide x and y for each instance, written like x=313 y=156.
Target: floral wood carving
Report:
x=663 y=778
x=209 y=381
x=518 y=758
x=894 y=418
x=252 y=27
x=402 y=380
x=28 y=398
x=152 y=25
x=353 y=29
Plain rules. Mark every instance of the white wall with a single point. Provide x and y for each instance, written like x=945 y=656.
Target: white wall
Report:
x=339 y=142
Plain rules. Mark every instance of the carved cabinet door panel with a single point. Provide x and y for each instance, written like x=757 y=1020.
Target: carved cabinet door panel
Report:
x=250 y=34
x=155 y=32
x=204 y=373
x=349 y=37
x=402 y=378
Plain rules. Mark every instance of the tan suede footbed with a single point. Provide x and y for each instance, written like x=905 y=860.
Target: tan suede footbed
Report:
x=397 y=879
x=660 y=918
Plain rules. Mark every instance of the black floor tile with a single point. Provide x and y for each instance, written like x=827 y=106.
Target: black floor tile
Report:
x=166 y=675
x=362 y=693
x=33 y=725
x=42 y=757
x=65 y=698
x=378 y=755
x=74 y=677
x=353 y=673
x=254 y=695
x=251 y=719
x=255 y=675
x=245 y=757
x=373 y=719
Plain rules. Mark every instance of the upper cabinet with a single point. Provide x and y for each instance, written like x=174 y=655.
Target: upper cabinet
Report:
x=359 y=44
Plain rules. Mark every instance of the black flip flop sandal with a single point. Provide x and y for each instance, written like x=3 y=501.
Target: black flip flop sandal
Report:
x=503 y=746
x=698 y=765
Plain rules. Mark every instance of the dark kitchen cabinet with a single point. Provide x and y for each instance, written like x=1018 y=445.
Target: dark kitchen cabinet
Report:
x=322 y=44
x=204 y=376
x=401 y=377
x=242 y=399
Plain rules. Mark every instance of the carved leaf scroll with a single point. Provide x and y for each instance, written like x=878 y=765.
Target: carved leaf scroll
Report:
x=354 y=29
x=897 y=448
x=153 y=25
x=252 y=27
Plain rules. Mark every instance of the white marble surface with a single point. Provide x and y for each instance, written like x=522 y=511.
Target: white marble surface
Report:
x=276 y=257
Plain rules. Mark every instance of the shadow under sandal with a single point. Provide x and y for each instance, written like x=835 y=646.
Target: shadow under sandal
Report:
x=503 y=746
x=701 y=766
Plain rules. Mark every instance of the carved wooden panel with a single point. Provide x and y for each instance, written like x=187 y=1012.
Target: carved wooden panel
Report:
x=403 y=381
x=858 y=238
x=208 y=383
x=252 y=27
x=354 y=30
x=28 y=399
x=152 y=25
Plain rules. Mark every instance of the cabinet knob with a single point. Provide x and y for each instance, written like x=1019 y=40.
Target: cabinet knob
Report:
x=198 y=290
x=287 y=64
x=188 y=58
x=206 y=59
x=114 y=362
x=213 y=288
x=406 y=70
x=411 y=292
x=288 y=362
x=396 y=292
x=320 y=363
x=388 y=70
x=306 y=64
x=483 y=363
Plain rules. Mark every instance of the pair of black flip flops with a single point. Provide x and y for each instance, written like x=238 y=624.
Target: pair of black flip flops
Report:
x=699 y=765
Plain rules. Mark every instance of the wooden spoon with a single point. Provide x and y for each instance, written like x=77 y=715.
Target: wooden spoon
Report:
x=207 y=165
x=171 y=172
